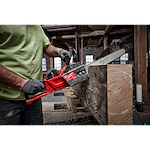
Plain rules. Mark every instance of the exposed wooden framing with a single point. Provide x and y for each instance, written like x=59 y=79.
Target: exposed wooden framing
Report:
x=68 y=36
x=61 y=42
x=140 y=50
x=76 y=41
x=54 y=25
x=51 y=62
x=94 y=33
x=119 y=31
x=61 y=29
x=81 y=48
x=99 y=32
x=107 y=30
x=100 y=41
x=149 y=51
x=105 y=42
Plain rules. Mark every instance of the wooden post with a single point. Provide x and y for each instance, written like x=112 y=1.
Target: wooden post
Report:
x=81 y=48
x=108 y=94
x=140 y=50
x=76 y=34
x=105 y=42
x=51 y=63
x=149 y=51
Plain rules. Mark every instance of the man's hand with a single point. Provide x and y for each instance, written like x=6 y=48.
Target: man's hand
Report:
x=33 y=86
x=65 y=55
x=53 y=51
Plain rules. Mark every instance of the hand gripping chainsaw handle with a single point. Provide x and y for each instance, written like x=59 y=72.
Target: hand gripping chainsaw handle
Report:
x=57 y=80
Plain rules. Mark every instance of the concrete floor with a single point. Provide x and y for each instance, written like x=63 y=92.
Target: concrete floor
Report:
x=52 y=98
x=51 y=116
x=143 y=117
x=63 y=116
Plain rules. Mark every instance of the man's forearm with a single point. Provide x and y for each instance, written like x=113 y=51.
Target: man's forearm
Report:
x=11 y=79
x=51 y=50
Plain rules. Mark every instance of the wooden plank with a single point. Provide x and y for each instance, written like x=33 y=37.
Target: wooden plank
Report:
x=108 y=93
x=140 y=50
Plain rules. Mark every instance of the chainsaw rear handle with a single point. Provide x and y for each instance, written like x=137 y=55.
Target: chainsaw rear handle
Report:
x=52 y=73
x=67 y=60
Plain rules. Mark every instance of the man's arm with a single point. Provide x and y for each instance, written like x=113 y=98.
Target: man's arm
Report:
x=51 y=50
x=11 y=79
x=30 y=86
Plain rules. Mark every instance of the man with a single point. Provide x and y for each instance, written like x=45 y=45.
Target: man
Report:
x=21 y=49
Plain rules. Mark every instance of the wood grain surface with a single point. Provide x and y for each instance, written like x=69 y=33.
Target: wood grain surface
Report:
x=119 y=94
x=108 y=93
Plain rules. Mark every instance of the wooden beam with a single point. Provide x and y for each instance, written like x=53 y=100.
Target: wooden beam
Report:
x=149 y=52
x=51 y=62
x=120 y=31
x=97 y=33
x=55 y=25
x=140 y=50
x=61 y=42
x=76 y=40
x=105 y=43
x=108 y=94
x=107 y=30
x=81 y=48
x=119 y=94
x=61 y=29
x=94 y=33
x=100 y=41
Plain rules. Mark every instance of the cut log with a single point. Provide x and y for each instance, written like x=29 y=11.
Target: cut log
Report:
x=108 y=94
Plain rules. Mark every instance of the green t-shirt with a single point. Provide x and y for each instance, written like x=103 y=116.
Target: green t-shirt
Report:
x=21 y=49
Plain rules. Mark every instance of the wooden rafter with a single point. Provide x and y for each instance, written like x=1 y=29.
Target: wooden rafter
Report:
x=107 y=30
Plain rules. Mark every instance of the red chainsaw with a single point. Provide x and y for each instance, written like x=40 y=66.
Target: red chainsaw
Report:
x=70 y=75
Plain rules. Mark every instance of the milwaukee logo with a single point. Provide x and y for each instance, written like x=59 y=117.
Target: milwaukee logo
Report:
x=70 y=76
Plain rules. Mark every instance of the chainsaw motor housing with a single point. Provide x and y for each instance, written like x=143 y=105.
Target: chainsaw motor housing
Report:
x=75 y=73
